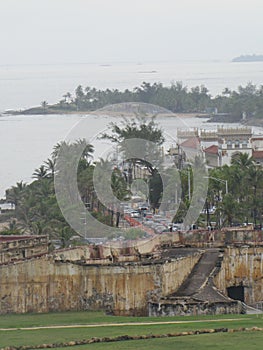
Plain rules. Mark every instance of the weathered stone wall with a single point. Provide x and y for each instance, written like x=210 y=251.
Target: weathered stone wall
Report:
x=14 y=248
x=194 y=309
x=120 y=251
x=226 y=236
x=42 y=285
x=54 y=283
x=242 y=267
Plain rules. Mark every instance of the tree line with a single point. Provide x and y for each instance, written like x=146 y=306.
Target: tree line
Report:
x=178 y=98
x=37 y=210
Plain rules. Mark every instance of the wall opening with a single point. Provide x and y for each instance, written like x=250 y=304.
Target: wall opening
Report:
x=236 y=293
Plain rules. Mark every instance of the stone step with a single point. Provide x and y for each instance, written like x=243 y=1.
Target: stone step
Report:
x=200 y=274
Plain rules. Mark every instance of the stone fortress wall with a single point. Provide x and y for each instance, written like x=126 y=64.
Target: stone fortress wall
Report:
x=123 y=279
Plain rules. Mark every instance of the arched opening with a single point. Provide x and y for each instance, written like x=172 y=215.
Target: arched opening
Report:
x=236 y=293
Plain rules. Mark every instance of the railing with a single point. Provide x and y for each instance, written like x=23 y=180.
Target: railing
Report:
x=234 y=131
x=208 y=135
x=187 y=133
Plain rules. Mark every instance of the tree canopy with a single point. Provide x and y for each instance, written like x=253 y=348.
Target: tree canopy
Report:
x=244 y=102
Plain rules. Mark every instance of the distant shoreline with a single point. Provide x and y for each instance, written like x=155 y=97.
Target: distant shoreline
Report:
x=248 y=58
x=107 y=113
x=250 y=122
x=151 y=99
x=118 y=114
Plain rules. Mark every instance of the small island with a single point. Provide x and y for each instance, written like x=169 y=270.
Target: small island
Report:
x=241 y=105
x=248 y=58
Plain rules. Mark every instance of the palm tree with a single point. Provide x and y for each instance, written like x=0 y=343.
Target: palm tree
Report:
x=229 y=208
x=119 y=185
x=85 y=185
x=15 y=193
x=57 y=148
x=12 y=229
x=67 y=97
x=88 y=149
x=65 y=235
x=44 y=105
x=120 y=190
x=40 y=173
x=50 y=167
x=255 y=185
x=242 y=160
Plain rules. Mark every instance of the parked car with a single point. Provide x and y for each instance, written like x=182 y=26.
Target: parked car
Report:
x=135 y=214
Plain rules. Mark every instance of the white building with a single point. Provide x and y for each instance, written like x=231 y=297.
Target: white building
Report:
x=232 y=141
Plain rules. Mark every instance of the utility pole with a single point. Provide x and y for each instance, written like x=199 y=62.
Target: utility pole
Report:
x=189 y=184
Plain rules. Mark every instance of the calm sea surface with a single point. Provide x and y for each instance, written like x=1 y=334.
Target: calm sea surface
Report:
x=26 y=141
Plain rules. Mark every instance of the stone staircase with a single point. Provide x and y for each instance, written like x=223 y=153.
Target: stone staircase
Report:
x=199 y=284
x=199 y=274
x=198 y=295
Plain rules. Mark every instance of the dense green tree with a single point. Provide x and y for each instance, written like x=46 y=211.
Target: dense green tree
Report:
x=246 y=101
x=15 y=193
x=13 y=228
x=151 y=135
x=244 y=201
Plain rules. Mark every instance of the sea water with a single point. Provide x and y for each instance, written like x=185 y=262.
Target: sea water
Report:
x=27 y=141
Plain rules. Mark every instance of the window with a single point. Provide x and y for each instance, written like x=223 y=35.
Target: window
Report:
x=229 y=144
x=244 y=144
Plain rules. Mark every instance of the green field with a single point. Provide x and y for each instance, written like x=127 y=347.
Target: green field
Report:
x=236 y=341
x=102 y=326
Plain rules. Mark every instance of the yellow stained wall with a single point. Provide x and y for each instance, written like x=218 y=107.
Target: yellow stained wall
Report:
x=42 y=285
x=242 y=266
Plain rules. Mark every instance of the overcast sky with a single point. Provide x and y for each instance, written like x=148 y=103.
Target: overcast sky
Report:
x=101 y=31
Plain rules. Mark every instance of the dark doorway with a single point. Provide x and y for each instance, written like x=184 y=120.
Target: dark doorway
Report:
x=236 y=293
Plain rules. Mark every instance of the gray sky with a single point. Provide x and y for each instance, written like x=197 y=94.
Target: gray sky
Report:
x=57 y=31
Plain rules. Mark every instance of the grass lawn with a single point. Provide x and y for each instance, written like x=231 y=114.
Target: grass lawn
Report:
x=217 y=341
x=18 y=337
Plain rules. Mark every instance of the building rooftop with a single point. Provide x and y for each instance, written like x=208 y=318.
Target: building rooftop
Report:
x=193 y=143
x=10 y=238
x=257 y=154
x=211 y=149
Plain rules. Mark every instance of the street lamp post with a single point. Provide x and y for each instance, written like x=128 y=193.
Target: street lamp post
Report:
x=219 y=180
x=189 y=183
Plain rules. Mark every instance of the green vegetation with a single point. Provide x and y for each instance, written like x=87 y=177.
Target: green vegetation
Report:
x=37 y=211
x=238 y=202
x=176 y=98
x=244 y=200
x=98 y=317
x=217 y=341
x=152 y=135
x=18 y=337
x=36 y=207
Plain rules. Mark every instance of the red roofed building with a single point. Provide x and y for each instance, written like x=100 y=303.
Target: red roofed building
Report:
x=193 y=143
x=258 y=156
x=191 y=147
x=257 y=143
x=211 y=156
